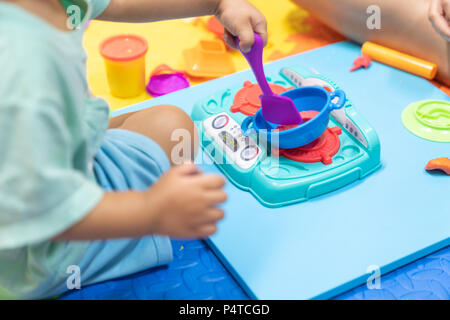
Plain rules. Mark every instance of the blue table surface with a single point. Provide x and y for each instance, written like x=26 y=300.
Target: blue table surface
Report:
x=323 y=247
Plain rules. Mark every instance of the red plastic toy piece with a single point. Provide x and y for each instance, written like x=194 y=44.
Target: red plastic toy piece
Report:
x=247 y=99
x=320 y=150
x=360 y=62
x=215 y=27
x=442 y=164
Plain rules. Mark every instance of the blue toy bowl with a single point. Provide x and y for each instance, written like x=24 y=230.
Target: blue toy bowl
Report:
x=305 y=99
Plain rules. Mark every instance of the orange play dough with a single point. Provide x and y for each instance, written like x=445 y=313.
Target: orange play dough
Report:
x=442 y=164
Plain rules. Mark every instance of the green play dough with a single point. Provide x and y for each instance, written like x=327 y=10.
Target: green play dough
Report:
x=428 y=119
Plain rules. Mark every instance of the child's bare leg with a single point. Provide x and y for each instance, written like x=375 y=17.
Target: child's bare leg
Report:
x=404 y=27
x=159 y=124
x=116 y=122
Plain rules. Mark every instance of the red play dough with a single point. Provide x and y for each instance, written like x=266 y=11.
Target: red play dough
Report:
x=320 y=150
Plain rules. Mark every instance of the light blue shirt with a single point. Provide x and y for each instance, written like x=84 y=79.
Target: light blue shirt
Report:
x=50 y=129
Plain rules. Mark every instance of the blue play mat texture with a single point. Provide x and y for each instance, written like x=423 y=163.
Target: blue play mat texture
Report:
x=196 y=274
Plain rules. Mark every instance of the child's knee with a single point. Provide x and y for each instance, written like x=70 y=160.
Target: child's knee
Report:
x=181 y=130
x=170 y=127
x=175 y=118
x=182 y=133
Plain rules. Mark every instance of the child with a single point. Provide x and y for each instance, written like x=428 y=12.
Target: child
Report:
x=405 y=26
x=60 y=170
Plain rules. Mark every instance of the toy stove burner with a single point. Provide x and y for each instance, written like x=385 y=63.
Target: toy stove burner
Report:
x=247 y=99
x=320 y=150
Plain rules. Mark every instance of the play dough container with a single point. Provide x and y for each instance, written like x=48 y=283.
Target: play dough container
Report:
x=124 y=57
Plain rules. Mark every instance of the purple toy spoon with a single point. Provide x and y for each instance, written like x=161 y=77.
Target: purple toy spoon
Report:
x=275 y=108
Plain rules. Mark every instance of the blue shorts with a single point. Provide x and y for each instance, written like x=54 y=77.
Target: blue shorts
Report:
x=126 y=160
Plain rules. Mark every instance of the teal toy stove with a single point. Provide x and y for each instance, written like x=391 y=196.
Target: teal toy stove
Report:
x=348 y=150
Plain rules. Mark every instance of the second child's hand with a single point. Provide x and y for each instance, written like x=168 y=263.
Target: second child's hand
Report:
x=439 y=15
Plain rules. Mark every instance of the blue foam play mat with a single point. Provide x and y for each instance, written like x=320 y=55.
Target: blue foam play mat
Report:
x=196 y=273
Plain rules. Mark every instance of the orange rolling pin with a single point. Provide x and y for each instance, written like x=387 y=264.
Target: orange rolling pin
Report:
x=400 y=60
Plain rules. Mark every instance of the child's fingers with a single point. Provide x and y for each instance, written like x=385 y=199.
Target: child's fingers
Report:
x=212 y=182
x=245 y=35
x=213 y=215
x=260 y=27
x=438 y=17
x=216 y=197
x=206 y=230
x=229 y=39
x=436 y=7
x=187 y=168
x=442 y=26
x=446 y=7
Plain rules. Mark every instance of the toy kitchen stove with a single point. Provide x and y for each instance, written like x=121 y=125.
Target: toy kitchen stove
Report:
x=347 y=151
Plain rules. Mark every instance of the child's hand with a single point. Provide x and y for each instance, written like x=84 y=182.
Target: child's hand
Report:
x=241 y=20
x=439 y=15
x=185 y=202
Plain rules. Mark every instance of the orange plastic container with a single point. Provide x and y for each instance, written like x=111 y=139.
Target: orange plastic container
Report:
x=209 y=59
x=124 y=57
x=400 y=60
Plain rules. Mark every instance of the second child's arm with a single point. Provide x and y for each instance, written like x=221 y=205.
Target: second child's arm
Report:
x=239 y=17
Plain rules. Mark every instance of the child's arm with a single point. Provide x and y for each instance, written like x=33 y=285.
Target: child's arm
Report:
x=239 y=17
x=439 y=15
x=182 y=204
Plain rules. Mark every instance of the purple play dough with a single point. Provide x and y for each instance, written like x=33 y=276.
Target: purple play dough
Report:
x=162 y=84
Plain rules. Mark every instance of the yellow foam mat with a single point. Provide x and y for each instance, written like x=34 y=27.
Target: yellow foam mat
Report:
x=291 y=30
